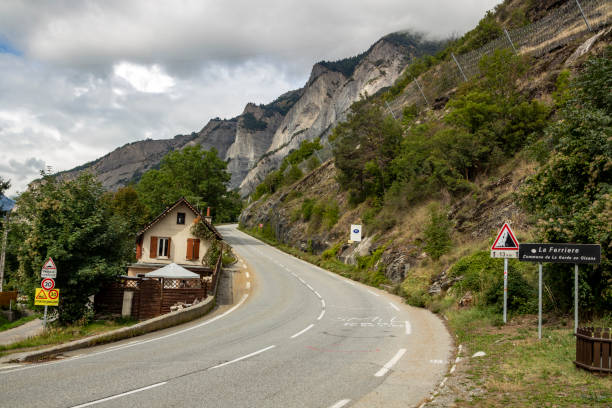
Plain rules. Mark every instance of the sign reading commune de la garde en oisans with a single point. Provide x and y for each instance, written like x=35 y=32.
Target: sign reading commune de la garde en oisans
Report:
x=560 y=253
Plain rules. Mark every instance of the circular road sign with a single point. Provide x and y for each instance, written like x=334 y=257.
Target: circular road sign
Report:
x=47 y=284
x=53 y=294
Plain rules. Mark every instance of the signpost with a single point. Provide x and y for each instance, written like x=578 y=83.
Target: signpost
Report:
x=355 y=233
x=505 y=246
x=559 y=253
x=46 y=295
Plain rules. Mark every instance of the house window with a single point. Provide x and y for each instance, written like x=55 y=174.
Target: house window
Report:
x=162 y=247
x=180 y=218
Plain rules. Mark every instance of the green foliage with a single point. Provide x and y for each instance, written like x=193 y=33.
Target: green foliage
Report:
x=72 y=222
x=437 y=233
x=293 y=175
x=4 y=185
x=126 y=203
x=306 y=209
x=332 y=252
x=522 y=297
x=213 y=253
x=313 y=163
x=365 y=146
x=331 y=214
x=487 y=30
x=250 y=122
x=345 y=66
x=571 y=194
x=196 y=174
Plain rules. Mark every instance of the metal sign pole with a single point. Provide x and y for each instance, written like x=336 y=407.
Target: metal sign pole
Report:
x=539 y=301
x=583 y=16
x=575 y=298
x=505 y=288
x=45 y=318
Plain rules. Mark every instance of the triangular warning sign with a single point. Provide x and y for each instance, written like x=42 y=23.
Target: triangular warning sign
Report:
x=505 y=240
x=42 y=295
x=49 y=264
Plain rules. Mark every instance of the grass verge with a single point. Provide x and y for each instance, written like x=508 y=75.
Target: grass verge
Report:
x=58 y=334
x=521 y=371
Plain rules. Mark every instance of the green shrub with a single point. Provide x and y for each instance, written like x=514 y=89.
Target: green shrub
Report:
x=306 y=209
x=437 y=233
x=331 y=214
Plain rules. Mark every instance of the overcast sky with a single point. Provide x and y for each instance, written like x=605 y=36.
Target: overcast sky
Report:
x=80 y=78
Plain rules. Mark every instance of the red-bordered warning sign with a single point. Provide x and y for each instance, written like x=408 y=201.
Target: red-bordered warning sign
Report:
x=506 y=245
x=47 y=284
x=53 y=294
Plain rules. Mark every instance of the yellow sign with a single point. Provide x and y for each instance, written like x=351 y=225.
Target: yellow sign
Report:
x=46 y=297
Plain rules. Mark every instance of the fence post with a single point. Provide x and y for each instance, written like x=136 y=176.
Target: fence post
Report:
x=459 y=66
x=392 y=114
x=583 y=16
x=510 y=40
x=416 y=80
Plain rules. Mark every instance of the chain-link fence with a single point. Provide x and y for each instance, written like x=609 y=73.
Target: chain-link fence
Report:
x=559 y=27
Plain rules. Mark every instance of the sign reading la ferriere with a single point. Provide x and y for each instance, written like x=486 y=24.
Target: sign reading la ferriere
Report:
x=560 y=253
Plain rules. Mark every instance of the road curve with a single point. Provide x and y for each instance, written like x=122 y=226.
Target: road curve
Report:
x=298 y=337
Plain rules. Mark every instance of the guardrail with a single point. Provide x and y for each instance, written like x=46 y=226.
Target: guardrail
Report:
x=594 y=349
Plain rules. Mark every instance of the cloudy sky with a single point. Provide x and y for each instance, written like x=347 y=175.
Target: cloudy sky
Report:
x=80 y=78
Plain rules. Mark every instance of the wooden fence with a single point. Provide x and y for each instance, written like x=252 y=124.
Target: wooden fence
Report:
x=6 y=297
x=594 y=349
x=150 y=297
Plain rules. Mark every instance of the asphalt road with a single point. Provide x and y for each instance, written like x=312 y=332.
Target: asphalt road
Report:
x=297 y=336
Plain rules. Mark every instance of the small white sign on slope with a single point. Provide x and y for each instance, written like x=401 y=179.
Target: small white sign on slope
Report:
x=355 y=232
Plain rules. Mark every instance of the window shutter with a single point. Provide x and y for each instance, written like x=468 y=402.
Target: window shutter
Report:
x=139 y=249
x=196 y=249
x=168 y=248
x=153 y=248
x=189 y=255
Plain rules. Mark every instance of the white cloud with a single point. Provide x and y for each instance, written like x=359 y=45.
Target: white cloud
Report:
x=149 y=79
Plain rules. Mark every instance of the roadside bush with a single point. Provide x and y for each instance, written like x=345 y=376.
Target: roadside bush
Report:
x=522 y=298
x=437 y=233
x=331 y=214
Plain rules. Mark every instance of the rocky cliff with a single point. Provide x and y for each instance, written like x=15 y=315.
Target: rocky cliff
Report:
x=256 y=141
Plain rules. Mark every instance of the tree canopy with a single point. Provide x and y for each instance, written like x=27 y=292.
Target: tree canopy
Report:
x=194 y=173
x=73 y=223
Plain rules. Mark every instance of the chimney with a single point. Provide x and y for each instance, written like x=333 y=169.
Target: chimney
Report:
x=208 y=218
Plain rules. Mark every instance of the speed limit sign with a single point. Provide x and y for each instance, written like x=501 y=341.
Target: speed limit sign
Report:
x=47 y=284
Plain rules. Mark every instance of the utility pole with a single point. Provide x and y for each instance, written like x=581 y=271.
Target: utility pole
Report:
x=3 y=253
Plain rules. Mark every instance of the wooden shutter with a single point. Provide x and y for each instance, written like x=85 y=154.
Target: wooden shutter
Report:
x=196 y=249
x=153 y=248
x=189 y=255
x=168 y=248
x=139 y=249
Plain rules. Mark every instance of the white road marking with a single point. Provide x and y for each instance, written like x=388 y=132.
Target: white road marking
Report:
x=340 y=403
x=248 y=275
x=10 y=366
x=373 y=293
x=436 y=361
x=244 y=298
x=393 y=306
x=293 y=273
x=119 y=395
x=452 y=370
x=310 y=287
x=408 y=327
x=242 y=358
x=321 y=315
x=302 y=331
x=318 y=295
x=391 y=363
x=323 y=303
x=248 y=285
x=302 y=280
x=350 y=283
x=244 y=266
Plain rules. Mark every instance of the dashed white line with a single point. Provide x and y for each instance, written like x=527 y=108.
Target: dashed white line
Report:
x=350 y=283
x=302 y=280
x=248 y=285
x=248 y=275
x=393 y=306
x=323 y=303
x=310 y=287
x=408 y=327
x=119 y=395
x=302 y=331
x=391 y=363
x=10 y=366
x=373 y=293
x=321 y=315
x=244 y=266
x=294 y=274
x=242 y=358
x=318 y=295
x=340 y=403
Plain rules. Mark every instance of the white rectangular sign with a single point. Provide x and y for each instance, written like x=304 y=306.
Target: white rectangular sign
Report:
x=355 y=232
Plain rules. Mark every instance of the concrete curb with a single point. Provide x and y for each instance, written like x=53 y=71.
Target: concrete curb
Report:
x=147 y=326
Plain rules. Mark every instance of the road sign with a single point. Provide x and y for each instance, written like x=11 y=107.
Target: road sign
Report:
x=47 y=284
x=46 y=297
x=561 y=253
x=355 y=232
x=505 y=245
x=48 y=270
